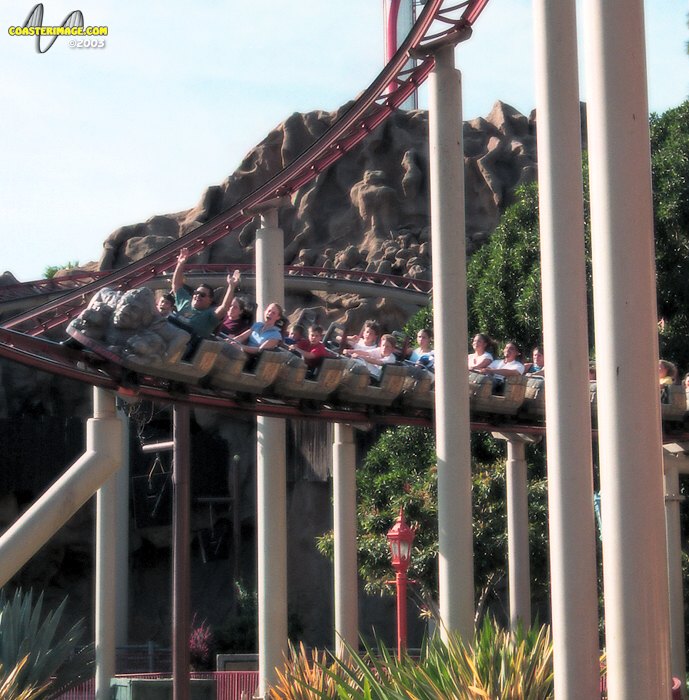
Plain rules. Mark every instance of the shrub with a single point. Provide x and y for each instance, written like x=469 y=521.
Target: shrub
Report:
x=42 y=660
x=497 y=664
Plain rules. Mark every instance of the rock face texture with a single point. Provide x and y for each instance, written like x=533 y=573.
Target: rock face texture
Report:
x=370 y=210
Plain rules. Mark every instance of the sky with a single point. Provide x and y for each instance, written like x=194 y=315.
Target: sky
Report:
x=95 y=138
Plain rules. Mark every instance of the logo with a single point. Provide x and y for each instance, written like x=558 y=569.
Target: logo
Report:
x=72 y=26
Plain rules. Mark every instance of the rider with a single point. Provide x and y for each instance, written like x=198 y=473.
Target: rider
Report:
x=197 y=307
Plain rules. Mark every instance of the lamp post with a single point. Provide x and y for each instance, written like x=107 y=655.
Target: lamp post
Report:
x=400 y=538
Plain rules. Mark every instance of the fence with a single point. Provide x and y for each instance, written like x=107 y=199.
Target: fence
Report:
x=229 y=685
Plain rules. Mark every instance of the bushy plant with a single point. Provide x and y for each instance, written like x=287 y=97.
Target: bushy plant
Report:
x=50 y=271
x=9 y=689
x=497 y=664
x=200 y=645
x=46 y=661
x=309 y=675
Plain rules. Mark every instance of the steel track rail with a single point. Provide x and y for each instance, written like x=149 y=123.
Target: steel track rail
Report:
x=439 y=23
x=60 y=285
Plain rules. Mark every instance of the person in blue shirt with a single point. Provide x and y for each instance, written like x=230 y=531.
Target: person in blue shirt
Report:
x=537 y=367
x=263 y=335
x=196 y=308
x=423 y=354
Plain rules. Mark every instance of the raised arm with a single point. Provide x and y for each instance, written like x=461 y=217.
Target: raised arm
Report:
x=224 y=307
x=178 y=275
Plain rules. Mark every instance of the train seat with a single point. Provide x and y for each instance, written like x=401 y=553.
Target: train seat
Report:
x=534 y=397
x=293 y=380
x=356 y=387
x=419 y=388
x=673 y=403
x=230 y=371
x=484 y=399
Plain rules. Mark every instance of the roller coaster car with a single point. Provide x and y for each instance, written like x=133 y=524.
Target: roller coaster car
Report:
x=231 y=371
x=418 y=390
x=673 y=402
x=594 y=400
x=126 y=329
x=534 y=397
x=485 y=396
x=294 y=381
x=356 y=386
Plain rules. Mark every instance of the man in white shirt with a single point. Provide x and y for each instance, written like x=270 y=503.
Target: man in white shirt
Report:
x=508 y=366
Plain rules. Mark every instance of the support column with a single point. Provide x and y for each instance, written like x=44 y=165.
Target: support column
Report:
x=181 y=541
x=633 y=518
x=446 y=153
x=106 y=567
x=518 y=561
x=122 y=542
x=271 y=469
x=344 y=526
x=574 y=595
x=673 y=531
x=71 y=491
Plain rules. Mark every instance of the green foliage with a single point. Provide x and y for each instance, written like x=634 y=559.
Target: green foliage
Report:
x=53 y=662
x=497 y=664
x=423 y=318
x=9 y=685
x=504 y=276
x=240 y=634
x=400 y=471
x=670 y=162
x=309 y=676
x=52 y=270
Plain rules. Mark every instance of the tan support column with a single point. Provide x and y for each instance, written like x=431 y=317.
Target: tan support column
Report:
x=181 y=553
x=574 y=594
x=675 y=462
x=344 y=526
x=629 y=436
x=122 y=544
x=518 y=561
x=71 y=491
x=271 y=475
x=107 y=533
x=446 y=166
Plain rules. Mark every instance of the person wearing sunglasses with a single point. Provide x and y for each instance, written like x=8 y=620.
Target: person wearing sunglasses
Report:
x=196 y=308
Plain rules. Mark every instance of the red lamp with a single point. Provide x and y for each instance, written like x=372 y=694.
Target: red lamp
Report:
x=400 y=539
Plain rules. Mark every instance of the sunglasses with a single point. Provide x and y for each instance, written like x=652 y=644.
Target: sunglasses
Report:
x=200 y=294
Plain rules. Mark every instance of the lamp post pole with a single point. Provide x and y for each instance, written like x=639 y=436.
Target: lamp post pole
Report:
x=400 y=538
x=401 y=584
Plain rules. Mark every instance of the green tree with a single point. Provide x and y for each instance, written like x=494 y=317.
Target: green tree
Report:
x=504 y=276
x=670 y=162
x=52 y=270
x=399 y=471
